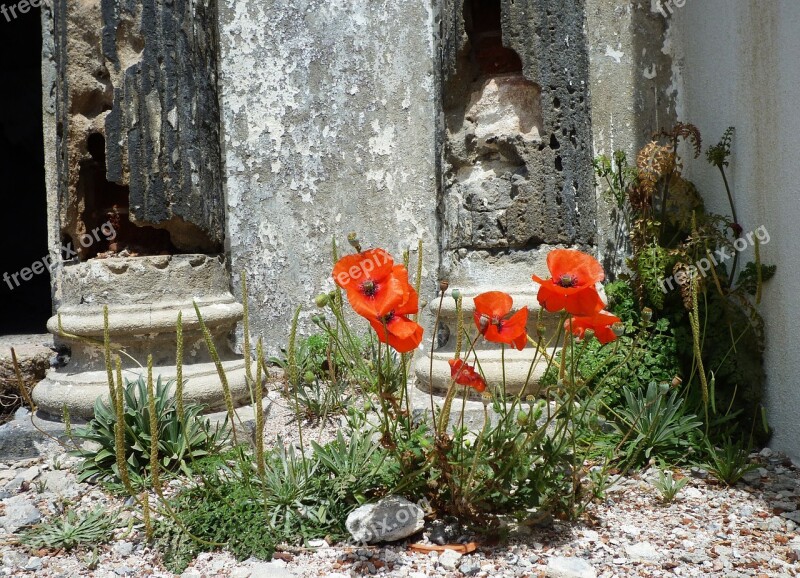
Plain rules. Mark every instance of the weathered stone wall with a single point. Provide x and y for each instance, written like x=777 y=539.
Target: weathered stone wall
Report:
x=517 y=156
x=633 y=95
x=138 y=124
x=329 y=126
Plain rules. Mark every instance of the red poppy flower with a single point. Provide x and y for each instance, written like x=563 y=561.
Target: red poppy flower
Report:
x=372 y=286
x=600 y=323
x=572 y=286
x=491 y=309
x=395 y=328
x=464 y=374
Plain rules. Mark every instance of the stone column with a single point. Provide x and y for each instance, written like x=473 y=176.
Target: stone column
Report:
x=516 y=173
x=138 y=202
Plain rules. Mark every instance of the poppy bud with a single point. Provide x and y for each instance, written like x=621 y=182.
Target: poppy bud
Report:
x=588 y=334
x=541 y=328
x=309 y=377
x=676 y=381
x=523 y=418
x=618 y=328
x=423 y=304
x=321 y=300
x=647 y=314
x=443 y=285
x=317 y=319
x=352 y=238
x=456 y=294
x=486 y=397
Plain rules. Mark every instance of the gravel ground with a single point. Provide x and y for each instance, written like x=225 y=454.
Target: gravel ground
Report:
x=709 y=530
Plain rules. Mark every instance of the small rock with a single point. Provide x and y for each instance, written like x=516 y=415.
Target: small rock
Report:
x=34 y=564
x=191 y=573
x=20 y=512
x=630 y=530
x=560 y=567
x=691 y=493
x=699 y=473
x=449 y=559
x=14 y=559
x=784 y=506
x=317 y=544
x=693 y=558
x=391 y=518
x=123 y=549
x=469 y=568
x=443 y=532
x=793 y=516
x=241 y=572
x=23 y=477
x=60 y=483
x=794 y=549
x=642 y=552
x=124 y=571
x=270 y=570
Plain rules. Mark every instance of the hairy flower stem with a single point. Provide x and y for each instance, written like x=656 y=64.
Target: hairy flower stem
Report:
x=381 y=398
x=248 y=372
x=120 y=450
x=148 y=524
x=444 y=415
x=151 y=402
x=697 y=345
x=433 y=348
x=23 y=390
x=259 y=407
x=291 y=352
x=179 y=366
x=735 y=220
x=107 y=357
x=226 y=390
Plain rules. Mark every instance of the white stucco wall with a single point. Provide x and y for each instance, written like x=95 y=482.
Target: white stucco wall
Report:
x=737 y=63
x=328 y=111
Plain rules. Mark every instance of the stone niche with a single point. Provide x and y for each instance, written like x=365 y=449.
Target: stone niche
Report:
x=139 y=159
x=516 y=173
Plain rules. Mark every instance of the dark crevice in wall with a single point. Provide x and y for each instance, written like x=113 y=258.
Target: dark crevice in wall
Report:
x=106 y=229
x=25 y=286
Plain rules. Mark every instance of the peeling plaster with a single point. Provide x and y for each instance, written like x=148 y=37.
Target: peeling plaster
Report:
x=329 y=126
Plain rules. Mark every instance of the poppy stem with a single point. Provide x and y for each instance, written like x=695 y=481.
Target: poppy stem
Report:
x=433 y=348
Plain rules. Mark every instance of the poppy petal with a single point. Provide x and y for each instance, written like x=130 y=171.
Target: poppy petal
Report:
x=584 y=303
x=550 y=297
x=494 y=304
x=374 y=264
x=582 y=266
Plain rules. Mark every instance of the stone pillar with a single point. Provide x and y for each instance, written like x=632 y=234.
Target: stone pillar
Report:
x=329 y=127
x=138 y=202
x=516 y=173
